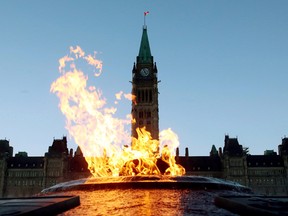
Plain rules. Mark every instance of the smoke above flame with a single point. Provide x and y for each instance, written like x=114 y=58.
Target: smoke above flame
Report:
x=103 y=138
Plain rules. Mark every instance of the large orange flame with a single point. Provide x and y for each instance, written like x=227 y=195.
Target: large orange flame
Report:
x=103 y=138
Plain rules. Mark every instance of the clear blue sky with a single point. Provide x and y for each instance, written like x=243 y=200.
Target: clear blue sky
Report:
x=223 y=66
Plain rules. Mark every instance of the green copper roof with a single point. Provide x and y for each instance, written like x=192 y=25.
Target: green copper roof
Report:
x=144 y=55
x=213 y=150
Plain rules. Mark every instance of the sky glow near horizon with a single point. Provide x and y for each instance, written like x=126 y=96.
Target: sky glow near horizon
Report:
x=223 y=67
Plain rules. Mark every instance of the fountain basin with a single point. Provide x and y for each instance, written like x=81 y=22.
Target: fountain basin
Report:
x=148 y=195
x=150 y=182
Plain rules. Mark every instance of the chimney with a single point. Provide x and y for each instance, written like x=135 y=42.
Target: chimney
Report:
x=220 y=152
x=71 y=153
x=177 y=152
x=186 y=152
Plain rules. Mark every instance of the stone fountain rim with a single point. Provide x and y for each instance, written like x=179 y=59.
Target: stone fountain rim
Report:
x=149 y=182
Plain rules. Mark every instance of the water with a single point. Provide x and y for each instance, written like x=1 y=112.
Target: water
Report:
x=146 y=202
x=148 y=195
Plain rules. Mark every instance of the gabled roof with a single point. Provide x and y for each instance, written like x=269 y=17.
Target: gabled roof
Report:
x=144 y=55
x=59 y=146
x=284 y=146
x=232 y=147
x=213 y=151
x=5 y=148
x=78 y=164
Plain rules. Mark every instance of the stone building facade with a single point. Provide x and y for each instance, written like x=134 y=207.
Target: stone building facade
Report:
x=22 y=175
x=264 y=174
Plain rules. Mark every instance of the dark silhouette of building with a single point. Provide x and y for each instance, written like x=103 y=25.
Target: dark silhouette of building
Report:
x=264 y=174
x=145 y=107
x=24 y=176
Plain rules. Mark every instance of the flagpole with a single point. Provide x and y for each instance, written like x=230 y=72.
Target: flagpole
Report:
x=145 y=13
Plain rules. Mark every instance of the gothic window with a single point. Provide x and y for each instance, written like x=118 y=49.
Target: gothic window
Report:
x=141 y=114
x=138 y=96
x=150 y=95
x=148 y=114
x=142 y=95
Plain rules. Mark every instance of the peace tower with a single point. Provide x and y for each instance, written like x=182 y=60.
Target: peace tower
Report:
x=145 y=108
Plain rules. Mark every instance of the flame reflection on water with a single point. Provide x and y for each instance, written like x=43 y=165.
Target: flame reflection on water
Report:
x=145 y=202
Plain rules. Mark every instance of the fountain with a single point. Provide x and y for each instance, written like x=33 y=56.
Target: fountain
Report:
x=148 y=195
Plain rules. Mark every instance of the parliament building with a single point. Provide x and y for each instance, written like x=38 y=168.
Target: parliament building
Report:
x=21 y=175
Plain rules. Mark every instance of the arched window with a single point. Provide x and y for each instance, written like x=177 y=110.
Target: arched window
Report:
x=148 y=114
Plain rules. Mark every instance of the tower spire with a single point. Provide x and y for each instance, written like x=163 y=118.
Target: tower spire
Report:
x=144 y=55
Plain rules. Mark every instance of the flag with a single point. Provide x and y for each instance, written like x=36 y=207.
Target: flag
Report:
x=146 y=12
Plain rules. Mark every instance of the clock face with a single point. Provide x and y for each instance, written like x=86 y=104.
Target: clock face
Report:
x=144 y=72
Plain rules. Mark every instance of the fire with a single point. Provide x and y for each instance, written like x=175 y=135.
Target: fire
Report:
x=103 y=138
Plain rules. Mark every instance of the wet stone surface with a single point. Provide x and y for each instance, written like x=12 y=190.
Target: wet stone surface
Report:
x=249 y=205
x=49 y=205
x=147 y=202
x=148 y=195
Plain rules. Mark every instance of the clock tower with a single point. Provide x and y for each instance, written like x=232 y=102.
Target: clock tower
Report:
x=145 y=111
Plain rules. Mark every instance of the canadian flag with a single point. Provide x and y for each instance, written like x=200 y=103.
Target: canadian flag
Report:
x=146 y=12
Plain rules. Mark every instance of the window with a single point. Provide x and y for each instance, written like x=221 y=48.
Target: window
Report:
x=142 y=95
x=150 y=95
x=148 y=114
x=138 y=96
